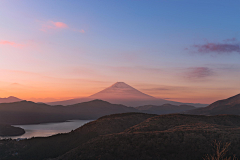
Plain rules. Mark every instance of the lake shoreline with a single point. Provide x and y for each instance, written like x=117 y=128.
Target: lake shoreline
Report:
x=47 y=129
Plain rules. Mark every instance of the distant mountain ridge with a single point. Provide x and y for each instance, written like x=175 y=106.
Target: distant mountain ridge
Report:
x=122 y=93
x=27 y=112
x=226 y=106
x=164 y=109
x=10 y=99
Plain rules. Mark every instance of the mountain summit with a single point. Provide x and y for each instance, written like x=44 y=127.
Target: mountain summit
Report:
x=123 y=91
x=9 y=99
x=120 y=85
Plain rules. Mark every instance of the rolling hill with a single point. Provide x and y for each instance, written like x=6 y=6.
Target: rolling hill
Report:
x=227 y=106
x=163 y=137
x=26 y=112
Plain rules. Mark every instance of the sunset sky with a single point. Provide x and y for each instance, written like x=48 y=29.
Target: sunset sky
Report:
x=181 y=50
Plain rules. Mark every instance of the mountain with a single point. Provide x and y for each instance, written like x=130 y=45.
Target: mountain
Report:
x=26 y=112
x=122 y=93
x=227 y=106
x=135 y=136
x=164 y=109
x=9 y=99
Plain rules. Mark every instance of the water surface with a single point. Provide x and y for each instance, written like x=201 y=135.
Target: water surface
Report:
x=49 y=129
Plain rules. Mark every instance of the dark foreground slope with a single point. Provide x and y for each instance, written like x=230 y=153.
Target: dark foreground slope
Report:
x=226 y=106
x=133 y=136
x=7 y=130
x=165 y=137
x=54 y=146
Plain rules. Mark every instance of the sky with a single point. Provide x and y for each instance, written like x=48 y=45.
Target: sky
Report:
x=180 y=50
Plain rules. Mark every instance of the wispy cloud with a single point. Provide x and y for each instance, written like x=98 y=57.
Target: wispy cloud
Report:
x=53 y=26
x=50 y=25
x=230 y=40
x=7 y=43
x=227 y=46
x=59 y=24
x=11 y=43
x=78 y=30
x=198 y=73
x=218 y=48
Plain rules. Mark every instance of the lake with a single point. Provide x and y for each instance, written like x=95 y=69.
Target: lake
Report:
x=49 y=129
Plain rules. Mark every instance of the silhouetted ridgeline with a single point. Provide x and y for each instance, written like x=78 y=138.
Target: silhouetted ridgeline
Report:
x=226 y=106
x=9 y=99
x=164 y=109
x=133 y=136
x=26 y=112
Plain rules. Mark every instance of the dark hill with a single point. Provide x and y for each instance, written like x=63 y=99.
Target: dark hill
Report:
x=164 y=109
x=50 y=147
x=226 y=106
x=163 y=137
x=7 y=130
x=98 y=108
x=26 y=112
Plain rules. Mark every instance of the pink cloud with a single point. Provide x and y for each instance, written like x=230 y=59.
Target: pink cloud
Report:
x=4 y=42
x=81 y=31
x=7 y=43
x=52 y=26
x=77 y=30
x=59 y=24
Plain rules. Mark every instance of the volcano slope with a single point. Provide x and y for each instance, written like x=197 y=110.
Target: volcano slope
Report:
x=134 y=136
